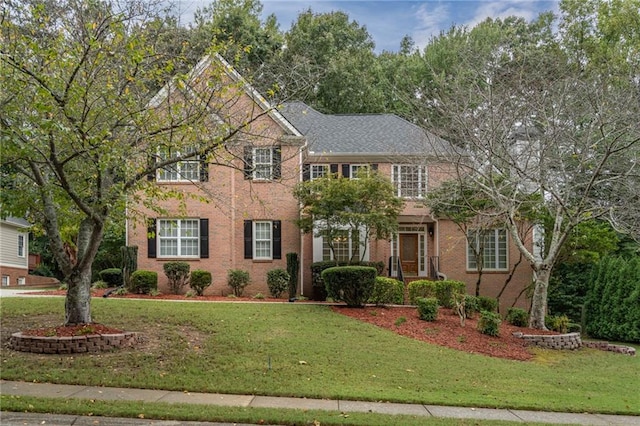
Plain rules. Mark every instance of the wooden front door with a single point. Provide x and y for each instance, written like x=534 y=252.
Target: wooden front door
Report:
x=409 y=253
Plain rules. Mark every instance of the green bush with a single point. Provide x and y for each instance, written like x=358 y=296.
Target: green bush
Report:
x=199 y=281
x=488 y=304
x=111 y=276
x=277 y=281
x=427 y=308
x=387 y=291
x=178 y=275
x=445 y=290
x=350 y=284
x=573 y=327
x=421 y=288
x=99 y=285
x=143 y=282
x=489 y=323
x=470 y=305
x=238 y=279
x=518 y=317
x=559 y=323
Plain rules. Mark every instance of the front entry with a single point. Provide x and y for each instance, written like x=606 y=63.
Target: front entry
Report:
x=409 y=253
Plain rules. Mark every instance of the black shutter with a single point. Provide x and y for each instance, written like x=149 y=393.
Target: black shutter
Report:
x=151 y=238
x=333 y=168
x=345 y=170
x=374 y=167
x=306 y=172
x=248 y=239
x=204 y=168
x=277 y=162
x=248 y=162
x=151 y=163
x=204 y=238
x=277 y=239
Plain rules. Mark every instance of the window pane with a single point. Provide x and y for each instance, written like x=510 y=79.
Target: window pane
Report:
x=262 y=163
x=319 y=170
x=410 y=180
x=262 y=240
x=179 y=237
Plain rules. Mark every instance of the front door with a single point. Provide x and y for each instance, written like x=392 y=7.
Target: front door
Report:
x=409 y=253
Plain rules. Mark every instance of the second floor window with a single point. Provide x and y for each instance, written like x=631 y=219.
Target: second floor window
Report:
x=21 y=245
x=318 y=171
x=182 y=171
x=491 y=246
x=410 y=180
x=262 y=163
x=357 y=170
x=179 y=237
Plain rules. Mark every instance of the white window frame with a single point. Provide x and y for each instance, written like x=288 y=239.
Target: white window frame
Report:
x=354 y=168
x=22 y=281
x=22 y=245
x=317 y=171
x=5 y=280
x=396 y=177
x=318 y=243
x=182 y=171
x=259 y=239
x=262 y=167
x=499 y=252
x=179 y=238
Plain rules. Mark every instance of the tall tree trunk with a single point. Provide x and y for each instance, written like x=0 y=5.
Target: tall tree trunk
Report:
x=78 y=302
x=539 y=302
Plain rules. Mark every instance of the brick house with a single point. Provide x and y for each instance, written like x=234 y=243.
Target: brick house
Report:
x=249 y=223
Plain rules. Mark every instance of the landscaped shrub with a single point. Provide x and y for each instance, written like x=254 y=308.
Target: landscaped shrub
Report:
x=277 y=281
x=470 y=305
x=143 y=282
x=559 y=323
x=427 y=308
x=518 y=317
x=238 y=280
x=111 y=276
x=421 y=288
x=387 y=291
x=486 y=303
x=445 y=290
x=99 y=285
x=293 y=265
x=199 y=281
x=489 y=323
x=178 y=275
x=350 y=284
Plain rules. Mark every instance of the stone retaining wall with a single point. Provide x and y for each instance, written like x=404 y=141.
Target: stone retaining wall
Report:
x=552 y=341
x=73 y=344
x=606 y=346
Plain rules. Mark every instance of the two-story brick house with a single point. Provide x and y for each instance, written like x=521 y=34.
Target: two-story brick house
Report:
x=249 y=222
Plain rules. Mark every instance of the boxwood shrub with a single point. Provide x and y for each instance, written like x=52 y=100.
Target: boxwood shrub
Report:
x=111 y=276
x=199 y=281
x=427 y=308
x=387 y=291
x=486 y=303
x=489 y=323
x=277 y=281
x=445 y=290
x=178 y=275
x=518 y=317
x=350 y=284
x=143 y=282
x=421 y=288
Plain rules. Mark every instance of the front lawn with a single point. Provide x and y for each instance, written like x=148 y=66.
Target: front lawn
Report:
x=310 y=351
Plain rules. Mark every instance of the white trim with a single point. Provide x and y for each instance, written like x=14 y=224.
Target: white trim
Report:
x=178 y=238
x=254 y=239
x=496 y=250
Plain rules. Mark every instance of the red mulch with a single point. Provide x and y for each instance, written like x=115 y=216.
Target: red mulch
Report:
x=71 y=330
x=445 y=331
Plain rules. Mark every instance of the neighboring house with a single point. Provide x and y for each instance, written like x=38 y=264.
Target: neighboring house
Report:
x=14 y=251
x=250 y=222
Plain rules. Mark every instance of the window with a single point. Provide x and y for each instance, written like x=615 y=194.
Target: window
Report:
x=262 y=239
x=21 y=245
x=262 y=163
x=5 y=281
x=179 y=237
x=319 y=170
x=22 y=281
x=410 y=180
x=182 y=171
x=354 y=169
x=491 y=245
x=345 y=245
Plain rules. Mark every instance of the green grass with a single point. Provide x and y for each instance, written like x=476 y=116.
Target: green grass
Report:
x=309 y=351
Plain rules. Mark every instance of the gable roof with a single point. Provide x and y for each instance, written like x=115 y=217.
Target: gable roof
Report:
x=361 y=134
x=202 y=66
x=16 y=221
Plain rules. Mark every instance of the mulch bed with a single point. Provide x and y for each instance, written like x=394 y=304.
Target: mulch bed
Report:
x=445 y=331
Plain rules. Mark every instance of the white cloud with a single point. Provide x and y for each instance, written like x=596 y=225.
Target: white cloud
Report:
x=432 y=18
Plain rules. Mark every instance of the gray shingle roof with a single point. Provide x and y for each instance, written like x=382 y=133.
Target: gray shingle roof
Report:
x=365 y=134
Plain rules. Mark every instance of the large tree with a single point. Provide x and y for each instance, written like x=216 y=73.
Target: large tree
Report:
x=79 y=122
x=533 y=123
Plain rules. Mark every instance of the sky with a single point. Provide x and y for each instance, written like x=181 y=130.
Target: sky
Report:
x=389 y=21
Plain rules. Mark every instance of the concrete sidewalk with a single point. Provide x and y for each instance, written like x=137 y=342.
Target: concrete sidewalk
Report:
x=171 y=397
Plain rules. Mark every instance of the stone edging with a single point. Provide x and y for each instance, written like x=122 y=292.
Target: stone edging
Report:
x=571 y=341
x=72 y=344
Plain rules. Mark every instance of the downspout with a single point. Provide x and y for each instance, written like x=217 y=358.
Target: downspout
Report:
x=300 y=177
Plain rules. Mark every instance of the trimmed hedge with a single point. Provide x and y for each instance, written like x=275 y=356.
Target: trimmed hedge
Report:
x=421 y=288
x=178 y=275
x=350 y=284
x=427 y=308
x=387 y=291
x=318 y=267
x=445 y=290
x=518 y=317
x=199 y=281
x=143 y=282
x=489 y=323
x=277 y=281
x=489 y=304
x=238 y=279
x=111 y=276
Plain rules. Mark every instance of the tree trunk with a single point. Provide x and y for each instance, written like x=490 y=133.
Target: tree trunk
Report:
x=539 y=302
x=78 y=301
